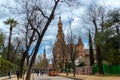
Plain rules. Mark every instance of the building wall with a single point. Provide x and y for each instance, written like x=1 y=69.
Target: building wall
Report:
x=61 y=50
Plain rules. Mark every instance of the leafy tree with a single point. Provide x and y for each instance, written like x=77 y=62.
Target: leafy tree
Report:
x=12 y=24
x=91 y=50
x=1 y=41
x=41 y=63
x=109 y=47
x=3 y=49
x=4 y=53
x=114 y=17
x=44 y=63
x=113 y=56
x=111 y=40
x=5 y=66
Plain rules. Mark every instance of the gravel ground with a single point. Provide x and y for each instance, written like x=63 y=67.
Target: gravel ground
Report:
x=93 y=77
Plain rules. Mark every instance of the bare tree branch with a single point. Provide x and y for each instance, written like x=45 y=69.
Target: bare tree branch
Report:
x=37 y=8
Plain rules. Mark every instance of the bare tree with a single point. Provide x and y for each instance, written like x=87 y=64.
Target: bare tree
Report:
x=27 y=36
x=96 y=16
x=16 y=50
x=38 y=16
x=71 y=41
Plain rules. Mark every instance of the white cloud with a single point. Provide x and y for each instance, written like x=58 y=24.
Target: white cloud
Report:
x=49 y=37
x=48 y=47
x=86 y=46
x=110 y=3
x=51 y=33
x=7 y=3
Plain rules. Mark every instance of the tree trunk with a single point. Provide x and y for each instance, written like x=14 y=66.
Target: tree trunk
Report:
x=110 y=66
x=22 y=64
x=99 y=59
x=73 y=66
x=61 y=67
x=9 y=44
x=40 y=39
x=53 y=64
x=28 y=73
x=66 y=67
x=91 y=50
x=66 y=70
x=33 y=59
x=28 y=59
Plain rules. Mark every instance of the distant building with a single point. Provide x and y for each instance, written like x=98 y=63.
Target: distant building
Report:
x=60 y=49
x=87 y=56
x=45 y=62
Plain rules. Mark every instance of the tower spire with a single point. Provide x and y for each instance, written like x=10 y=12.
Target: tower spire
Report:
x=80 y=41
x=60 y=18
x=44 y=54
x=59 y=22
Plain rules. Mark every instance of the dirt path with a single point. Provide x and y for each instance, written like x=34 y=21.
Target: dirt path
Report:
x=94 y=77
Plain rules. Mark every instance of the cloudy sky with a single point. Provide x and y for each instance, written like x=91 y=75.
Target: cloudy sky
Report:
x=50 y=36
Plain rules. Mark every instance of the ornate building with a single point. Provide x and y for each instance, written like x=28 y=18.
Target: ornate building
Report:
x=45 y=60
x=61 y=51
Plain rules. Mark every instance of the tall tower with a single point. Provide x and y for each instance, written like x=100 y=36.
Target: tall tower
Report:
x=60 y=35
x=80 y=47
x=59 y=47
x=44 y=54
x=80 y=41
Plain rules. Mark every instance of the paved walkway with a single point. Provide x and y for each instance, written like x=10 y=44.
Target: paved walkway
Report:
x=83 y=77
x=92 y=77
x=46 y=77
x=14 y=77
x=6 y=77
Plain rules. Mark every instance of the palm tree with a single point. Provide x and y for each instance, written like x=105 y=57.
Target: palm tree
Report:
x=12 y=24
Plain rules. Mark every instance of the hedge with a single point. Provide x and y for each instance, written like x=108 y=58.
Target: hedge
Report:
x=113 y=69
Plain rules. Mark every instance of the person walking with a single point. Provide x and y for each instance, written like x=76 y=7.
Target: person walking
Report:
x=37 y=72
x=17 y=73
x=9 y=74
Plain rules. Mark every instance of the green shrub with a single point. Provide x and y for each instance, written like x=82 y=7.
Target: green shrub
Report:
x=5 y=66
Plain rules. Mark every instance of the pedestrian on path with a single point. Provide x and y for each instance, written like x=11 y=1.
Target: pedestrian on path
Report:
x=17 y=73
x=37 y=72
x=9 y=74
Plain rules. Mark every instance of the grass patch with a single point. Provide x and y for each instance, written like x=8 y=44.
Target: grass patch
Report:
x=107 y=75
x=113 y=75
